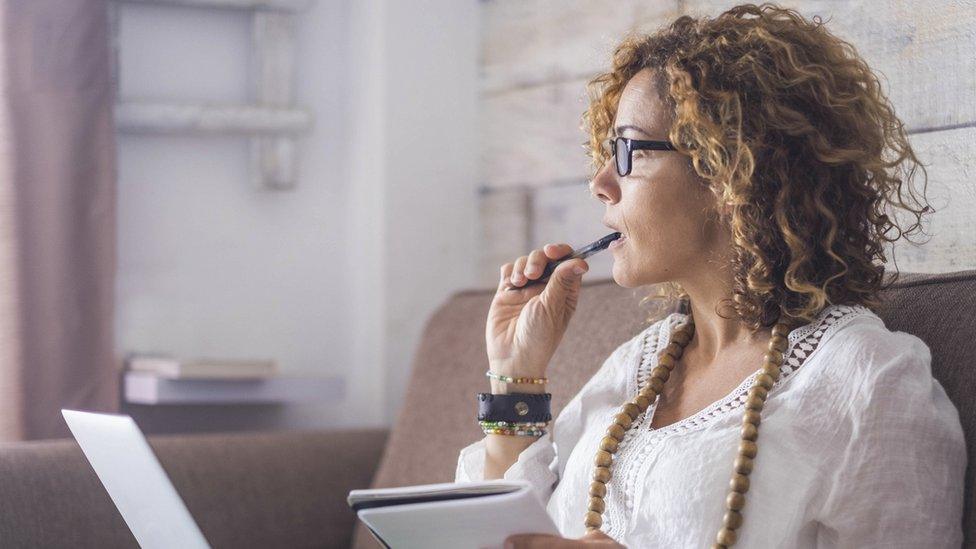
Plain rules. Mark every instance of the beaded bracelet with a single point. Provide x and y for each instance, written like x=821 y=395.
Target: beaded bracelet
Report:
x=507 y=379
x=486 y=423
x=500 y=431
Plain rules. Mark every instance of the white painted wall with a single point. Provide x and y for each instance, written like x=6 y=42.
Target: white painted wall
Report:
x=413 y=176
x=338 y=276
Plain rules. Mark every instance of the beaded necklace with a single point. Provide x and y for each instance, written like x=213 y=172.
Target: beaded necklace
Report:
x=741 y=467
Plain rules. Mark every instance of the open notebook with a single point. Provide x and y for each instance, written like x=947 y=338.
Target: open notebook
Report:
x=455 y=515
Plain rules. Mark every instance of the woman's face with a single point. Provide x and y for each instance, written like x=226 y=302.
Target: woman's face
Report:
x=663 y=209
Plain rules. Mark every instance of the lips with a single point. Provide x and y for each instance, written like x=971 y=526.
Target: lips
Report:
x=618 y=242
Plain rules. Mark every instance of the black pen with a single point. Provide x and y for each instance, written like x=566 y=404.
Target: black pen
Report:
x=582 y=253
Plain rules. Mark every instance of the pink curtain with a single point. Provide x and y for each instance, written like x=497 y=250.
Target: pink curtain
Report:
x=57 y=215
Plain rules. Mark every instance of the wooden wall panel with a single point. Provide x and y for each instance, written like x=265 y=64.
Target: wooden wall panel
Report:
x=950 y=158
x=532 y=136
x=921 y=50
x=532 y=42
x=504 y=219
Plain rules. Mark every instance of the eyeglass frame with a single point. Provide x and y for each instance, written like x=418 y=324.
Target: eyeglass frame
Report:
x=634 y=145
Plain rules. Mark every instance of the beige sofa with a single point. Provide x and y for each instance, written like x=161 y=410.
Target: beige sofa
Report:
x=289 y=489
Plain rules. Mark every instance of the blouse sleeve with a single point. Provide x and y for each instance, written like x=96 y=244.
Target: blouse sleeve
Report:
x=539 y=463
x=535 y=464
x=899 y=479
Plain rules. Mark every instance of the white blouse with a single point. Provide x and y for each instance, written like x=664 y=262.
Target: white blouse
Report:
x=859 y=446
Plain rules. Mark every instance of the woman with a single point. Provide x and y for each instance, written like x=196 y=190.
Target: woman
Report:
x=767 y=222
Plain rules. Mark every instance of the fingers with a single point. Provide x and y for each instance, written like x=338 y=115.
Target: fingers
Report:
x=531 y=267
x=518 y=276
x=505 y=275
x=555 y=251
x=535 y=264
x=563 y=288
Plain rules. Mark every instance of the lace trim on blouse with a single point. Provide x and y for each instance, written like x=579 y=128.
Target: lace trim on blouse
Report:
x=802 y=342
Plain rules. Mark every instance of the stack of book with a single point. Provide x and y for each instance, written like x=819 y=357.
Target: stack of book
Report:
x=172 y=368
x=154 y=379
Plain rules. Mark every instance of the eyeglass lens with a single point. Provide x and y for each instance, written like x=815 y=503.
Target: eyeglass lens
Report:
x=622 y=155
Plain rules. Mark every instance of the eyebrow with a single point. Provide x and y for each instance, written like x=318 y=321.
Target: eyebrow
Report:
x=621 y=129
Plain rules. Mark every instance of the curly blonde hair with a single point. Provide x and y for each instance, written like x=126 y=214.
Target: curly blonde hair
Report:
x=789 y=127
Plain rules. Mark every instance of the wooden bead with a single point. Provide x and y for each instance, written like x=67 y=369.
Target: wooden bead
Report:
x=754 y=403
x=765 y=381
x=674 y=350
x=742 y=465
x=597 y=505
x=771 y=370
x=751 y=416
x=749 y=432
x=598 y=489
x=609 y=444
x=735 y=501
x=623 y=419
x=747 y=448
x=661 y=373
x=603 y=458
x=631 y=410
x=758 y=392
x=643 y=401
x=726 y=537
x=773 y=357
x=739 y=483
x=781 y=330
x=666 y=361
x=718 y=546
x=616 y=431
x=681 y=337
x=656 y=384
x=602 y=474
x=777 y=343
x=732 y=519
x=593 y=519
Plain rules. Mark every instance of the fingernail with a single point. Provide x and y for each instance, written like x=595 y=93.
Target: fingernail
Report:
x=579 y=270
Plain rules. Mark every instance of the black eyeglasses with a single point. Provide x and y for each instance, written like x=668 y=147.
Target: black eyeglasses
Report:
x=622 y=149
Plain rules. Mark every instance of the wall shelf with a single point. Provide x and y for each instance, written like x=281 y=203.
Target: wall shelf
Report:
x=159 y=117
x=150 y=389
x=283 y=5
x=272 y=121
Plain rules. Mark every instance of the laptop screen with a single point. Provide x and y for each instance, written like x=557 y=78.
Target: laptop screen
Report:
x=134 y=479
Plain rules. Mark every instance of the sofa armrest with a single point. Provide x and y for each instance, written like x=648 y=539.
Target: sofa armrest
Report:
x=276 y=489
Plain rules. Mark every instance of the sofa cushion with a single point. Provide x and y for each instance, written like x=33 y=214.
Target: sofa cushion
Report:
x=450 y=363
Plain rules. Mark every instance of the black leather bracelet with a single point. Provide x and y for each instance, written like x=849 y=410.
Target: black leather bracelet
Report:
x=514 y=407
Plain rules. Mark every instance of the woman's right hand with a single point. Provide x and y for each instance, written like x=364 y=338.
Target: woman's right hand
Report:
x=526 y=325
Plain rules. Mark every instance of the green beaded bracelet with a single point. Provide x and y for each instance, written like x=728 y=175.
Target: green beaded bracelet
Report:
x=486 y=423
x=508 y=379
x=499 y=431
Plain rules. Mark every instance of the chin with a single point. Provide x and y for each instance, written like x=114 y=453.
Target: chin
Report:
x=623 y=277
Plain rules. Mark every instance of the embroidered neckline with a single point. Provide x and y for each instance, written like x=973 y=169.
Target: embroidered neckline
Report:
x=802 y=342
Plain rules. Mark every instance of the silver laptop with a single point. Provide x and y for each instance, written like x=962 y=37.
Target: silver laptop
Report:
x=135 y=480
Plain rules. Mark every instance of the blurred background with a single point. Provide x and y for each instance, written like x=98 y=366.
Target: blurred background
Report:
x=239 y=214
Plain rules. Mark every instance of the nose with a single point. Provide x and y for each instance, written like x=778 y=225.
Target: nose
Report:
x=604 y=184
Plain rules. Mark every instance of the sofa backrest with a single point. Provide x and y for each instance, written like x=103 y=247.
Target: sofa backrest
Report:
x=438 y=415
